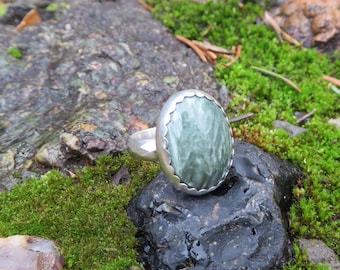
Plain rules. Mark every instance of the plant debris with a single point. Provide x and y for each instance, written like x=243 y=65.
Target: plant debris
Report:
x=241 y=117
x=268 y=19
x=31 y=18
x=121 y=177
x=307 y=115
x=331 y=80
x=287 y=81
x=209 y=52
x=145 y=5
x=237 y=56
x=311 y=22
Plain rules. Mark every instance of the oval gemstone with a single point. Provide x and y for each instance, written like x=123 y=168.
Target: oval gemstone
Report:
x=199 y=142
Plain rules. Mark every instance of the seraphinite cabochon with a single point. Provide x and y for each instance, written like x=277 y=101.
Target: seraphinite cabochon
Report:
x=199 y=142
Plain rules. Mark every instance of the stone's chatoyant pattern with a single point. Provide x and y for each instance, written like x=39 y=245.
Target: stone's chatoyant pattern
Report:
x=199 y=142
x=194 y=142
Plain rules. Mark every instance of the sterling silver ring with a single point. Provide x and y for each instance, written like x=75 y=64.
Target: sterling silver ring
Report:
x=192 y=141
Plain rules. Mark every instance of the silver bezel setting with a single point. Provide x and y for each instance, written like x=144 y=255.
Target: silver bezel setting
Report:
x=162 y=142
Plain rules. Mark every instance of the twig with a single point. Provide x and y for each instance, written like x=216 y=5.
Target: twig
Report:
x=207 y=30
x=269 y=20
x=237 y=56
x=145 y=5
x=193 y=46
x=331 y=80
x=226 y=56
x=241 y=117
x=267 y=72
x=305 y=116
x=211 y=57
x=208 y=46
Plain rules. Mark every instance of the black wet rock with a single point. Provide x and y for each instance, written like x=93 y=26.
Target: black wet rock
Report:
x=241 y=225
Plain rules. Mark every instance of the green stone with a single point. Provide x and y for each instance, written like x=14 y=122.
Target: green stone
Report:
x=199 y=142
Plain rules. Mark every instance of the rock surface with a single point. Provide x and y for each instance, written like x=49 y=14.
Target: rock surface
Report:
x=318 y=252
x=291 y=129
x=311 y=22
x=90 y=74
x=25 y=252
x=241 y=225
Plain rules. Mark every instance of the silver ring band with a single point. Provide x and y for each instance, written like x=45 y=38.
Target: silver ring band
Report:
x=192 y=141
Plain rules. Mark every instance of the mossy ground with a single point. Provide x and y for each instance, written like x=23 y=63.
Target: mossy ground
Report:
x=86 y=215
x=316 y=211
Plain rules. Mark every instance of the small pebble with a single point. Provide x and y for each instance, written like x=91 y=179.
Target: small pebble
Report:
x=71 y=141
x=291 y=129
x=95 y=145
x=318 y=252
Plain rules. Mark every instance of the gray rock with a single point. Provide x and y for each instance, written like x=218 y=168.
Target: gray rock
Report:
x=241 y=225
x=318 y=252
x=94 y=70
x=291 y=129
x=71 y=141
x=29 y=253
x=335 y=122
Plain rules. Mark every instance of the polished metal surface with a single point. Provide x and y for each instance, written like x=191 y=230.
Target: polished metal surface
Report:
x=152 y=144
x=143 y=144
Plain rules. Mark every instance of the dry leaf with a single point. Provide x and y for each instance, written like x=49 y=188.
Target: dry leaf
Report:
x=192 y=46
x=237 y=56
x=208 y=46
x=269 y=20
x=31 y=18
x=270 y=73
x=331 y=80
x=211 y=57
x=119 y=177
x=145 y=5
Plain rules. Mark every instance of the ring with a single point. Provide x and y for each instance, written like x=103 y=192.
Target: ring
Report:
x=192 y=141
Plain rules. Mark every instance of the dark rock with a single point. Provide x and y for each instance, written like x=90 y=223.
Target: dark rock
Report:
x=241 y=225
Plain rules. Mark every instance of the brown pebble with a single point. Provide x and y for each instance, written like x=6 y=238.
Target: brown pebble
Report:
x=95 y=145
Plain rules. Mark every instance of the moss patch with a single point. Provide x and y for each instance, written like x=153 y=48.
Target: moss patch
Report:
x=85 y=216
x=15 y=52
x=316 y=211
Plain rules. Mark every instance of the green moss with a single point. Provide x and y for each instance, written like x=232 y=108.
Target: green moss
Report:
x=56 y=6
x=316 y=211
x=85 y=216
x=15 y=52
x=3 y=9
x=302 y=262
